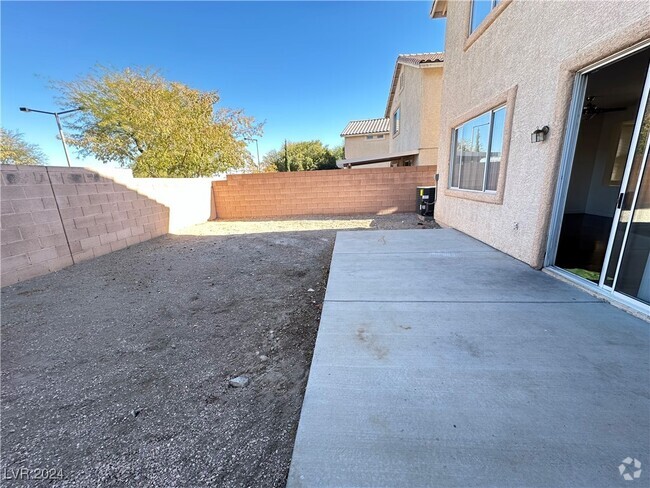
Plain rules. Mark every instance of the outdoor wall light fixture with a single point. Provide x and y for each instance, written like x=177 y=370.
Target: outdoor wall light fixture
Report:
x=538 y=134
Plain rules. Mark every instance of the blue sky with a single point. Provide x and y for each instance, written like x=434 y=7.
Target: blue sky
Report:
x=306 y=68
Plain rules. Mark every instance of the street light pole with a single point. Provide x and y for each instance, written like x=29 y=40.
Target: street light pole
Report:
x=58 y=124
x=65 y=147
x=286 y=156
x=257 y=147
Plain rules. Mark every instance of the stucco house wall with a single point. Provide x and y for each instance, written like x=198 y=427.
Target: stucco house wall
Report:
x=384 y=164
x=360 y=146
x=432 y=79
x=408 y=98
x=525 y=54
x=419 y=102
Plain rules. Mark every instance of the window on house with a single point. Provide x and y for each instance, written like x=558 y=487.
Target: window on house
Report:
x=370 y=137
x=396 y=115
x=380 y=136
x=480 y=10
x=476 y=152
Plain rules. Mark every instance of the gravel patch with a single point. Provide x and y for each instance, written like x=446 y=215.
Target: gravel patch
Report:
x=117 y=371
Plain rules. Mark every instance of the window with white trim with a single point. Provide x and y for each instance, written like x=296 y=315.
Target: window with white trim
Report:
x=471 y=167
x=480 y=10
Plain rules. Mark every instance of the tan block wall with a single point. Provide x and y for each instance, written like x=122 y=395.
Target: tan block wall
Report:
x=335 y=192
x=96 y=214
x=535 y=48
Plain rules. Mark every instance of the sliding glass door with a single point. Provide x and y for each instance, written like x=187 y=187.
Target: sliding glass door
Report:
x=628 y=267
x=601 y=227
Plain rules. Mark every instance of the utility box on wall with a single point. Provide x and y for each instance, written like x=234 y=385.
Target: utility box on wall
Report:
x=426 y=200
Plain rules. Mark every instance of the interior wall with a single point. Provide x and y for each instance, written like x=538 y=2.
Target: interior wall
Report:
x=583 y=166
x=589 y=190
x=602 y=196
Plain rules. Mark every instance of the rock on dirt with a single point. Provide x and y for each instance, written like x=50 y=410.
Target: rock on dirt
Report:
x=239 y=382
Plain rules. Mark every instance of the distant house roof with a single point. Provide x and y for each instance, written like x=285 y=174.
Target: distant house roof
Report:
x=419 y=60
x=367 y=126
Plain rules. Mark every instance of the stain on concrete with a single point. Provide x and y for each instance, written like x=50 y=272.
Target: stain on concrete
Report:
x=370 y=341
x=467 y=345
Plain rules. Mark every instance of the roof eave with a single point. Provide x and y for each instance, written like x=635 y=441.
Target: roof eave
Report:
x=438 y=9
x=393 y=84
x=376 y=159
x=366 y=133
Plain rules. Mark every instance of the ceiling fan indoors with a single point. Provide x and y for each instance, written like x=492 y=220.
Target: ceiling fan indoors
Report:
x=590 y=109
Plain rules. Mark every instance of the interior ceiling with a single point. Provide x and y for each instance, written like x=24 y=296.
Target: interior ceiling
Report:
x=619 y=84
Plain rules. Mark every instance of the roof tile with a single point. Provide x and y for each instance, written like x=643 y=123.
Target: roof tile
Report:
x=367 y=126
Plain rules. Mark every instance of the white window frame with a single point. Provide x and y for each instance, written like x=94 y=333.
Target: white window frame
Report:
x=493 y=4
x=487 y=153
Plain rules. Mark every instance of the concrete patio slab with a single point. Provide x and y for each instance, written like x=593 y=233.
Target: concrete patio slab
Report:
x=456 y=276
x=403 y=242
x=548 y=387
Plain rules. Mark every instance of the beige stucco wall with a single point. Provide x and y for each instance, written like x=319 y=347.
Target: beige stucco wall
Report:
x=531 y=52
x=419 y=102
x=409 y=100
x=385 y=164
x=359 y=146
x=432 y=79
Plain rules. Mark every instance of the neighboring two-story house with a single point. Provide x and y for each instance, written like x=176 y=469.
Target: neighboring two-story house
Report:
x=365 y=139
x=544 y=136
x=411 y=119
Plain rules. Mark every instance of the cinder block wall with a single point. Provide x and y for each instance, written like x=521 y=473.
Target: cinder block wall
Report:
x=189 y=200
x=100 y=216
x=32 y=235
x=53 y=217
x=335 y=192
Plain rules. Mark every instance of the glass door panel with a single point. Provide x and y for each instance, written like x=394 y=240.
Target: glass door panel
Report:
x=626 y=201
x=633 y=277
x=629 y=222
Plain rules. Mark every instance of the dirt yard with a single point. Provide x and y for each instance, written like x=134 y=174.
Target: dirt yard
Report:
x=115 y=372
